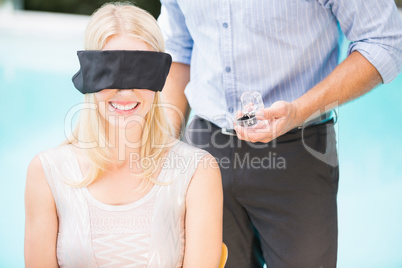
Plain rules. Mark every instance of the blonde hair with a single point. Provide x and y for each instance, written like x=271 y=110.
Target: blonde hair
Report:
x=110 y=20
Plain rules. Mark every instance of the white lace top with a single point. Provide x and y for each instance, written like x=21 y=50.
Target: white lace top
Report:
x=146 y=233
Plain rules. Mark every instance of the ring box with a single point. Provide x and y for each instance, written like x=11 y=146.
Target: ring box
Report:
x=251 y=102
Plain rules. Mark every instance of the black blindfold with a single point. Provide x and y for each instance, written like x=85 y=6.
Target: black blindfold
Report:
x=121 y=69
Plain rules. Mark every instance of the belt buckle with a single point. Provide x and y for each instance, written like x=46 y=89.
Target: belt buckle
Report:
x=226 y=131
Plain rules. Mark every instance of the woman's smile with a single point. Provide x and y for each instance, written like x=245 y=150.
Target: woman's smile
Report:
x=123 y=107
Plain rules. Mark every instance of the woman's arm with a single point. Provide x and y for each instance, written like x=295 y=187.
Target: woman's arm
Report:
x=41 y=224
x=204 y=204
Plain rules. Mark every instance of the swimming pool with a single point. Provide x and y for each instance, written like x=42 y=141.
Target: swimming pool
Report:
x=37 y=60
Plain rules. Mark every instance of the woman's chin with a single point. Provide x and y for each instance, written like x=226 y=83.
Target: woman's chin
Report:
x=127 y=123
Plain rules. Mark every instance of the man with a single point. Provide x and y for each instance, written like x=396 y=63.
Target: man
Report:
x=280 y=179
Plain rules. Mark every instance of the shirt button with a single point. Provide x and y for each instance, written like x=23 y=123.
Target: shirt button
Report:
x=230 y=109
x=227 y=69
x=225 y=25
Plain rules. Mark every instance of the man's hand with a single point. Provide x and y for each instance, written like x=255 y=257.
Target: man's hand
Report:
x=351 y=79
x=273 y=122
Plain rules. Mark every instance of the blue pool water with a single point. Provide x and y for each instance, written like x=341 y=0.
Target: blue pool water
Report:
x=36 y=93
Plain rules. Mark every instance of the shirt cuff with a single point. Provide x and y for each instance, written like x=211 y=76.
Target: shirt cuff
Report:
x=379 y=57
x=181 y=55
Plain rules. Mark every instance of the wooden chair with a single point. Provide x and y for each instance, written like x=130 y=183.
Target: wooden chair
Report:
x=224 y=256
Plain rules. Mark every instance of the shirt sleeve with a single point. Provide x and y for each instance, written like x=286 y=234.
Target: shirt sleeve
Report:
x=374 y=28
x=178 y=41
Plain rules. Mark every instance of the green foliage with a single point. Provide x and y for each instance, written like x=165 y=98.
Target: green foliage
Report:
x=89 y=6
x=86 y=7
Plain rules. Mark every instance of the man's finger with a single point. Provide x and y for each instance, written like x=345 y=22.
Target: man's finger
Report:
x=238 y=114
x=241 y=133
x=278 y=109
x=260 y=137
x=261 y=125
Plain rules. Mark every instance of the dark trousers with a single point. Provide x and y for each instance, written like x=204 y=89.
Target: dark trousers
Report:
x=279 y=199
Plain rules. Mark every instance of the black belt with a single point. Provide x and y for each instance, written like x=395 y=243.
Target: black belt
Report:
x=319 y=121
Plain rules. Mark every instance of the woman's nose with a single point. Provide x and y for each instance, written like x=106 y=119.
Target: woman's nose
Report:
x=125 y=92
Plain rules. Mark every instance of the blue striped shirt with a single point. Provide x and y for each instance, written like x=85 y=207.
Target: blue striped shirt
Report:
x=280 y=48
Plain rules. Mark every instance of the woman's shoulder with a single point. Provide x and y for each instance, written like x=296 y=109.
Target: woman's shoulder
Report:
x=206 y=182
x=189 y=150
x=185 y=160
x=59 y=150
x=51 y=159
x=203 y=163
x=41 y=169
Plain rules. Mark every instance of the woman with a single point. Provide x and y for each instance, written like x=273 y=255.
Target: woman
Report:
x=121 y=192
